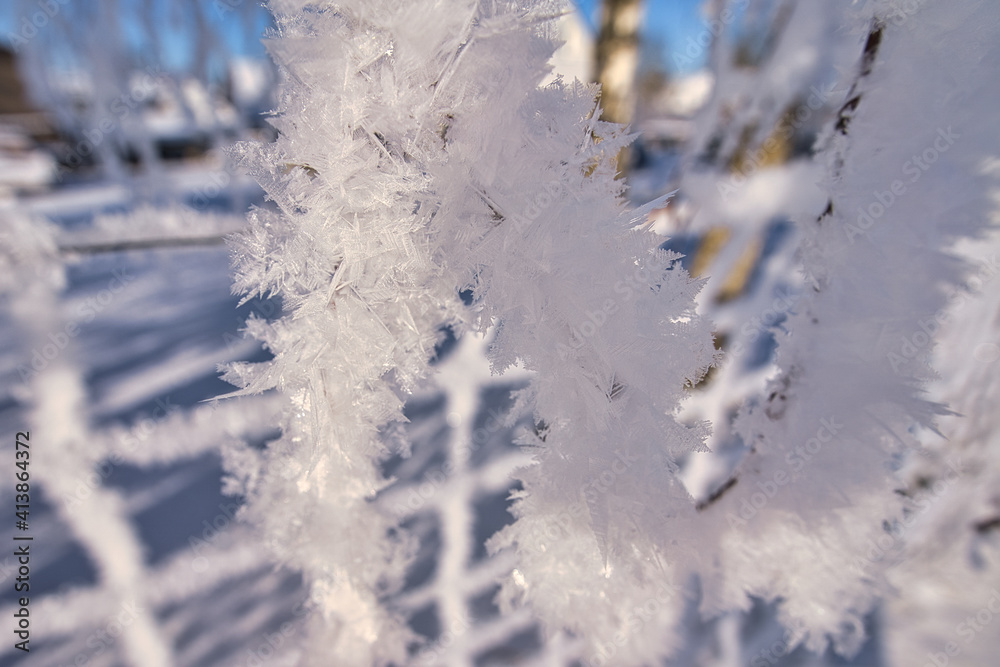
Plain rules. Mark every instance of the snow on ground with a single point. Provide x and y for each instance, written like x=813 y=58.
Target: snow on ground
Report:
x=149 y=328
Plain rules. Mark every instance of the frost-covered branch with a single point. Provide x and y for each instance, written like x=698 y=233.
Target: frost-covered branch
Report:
x=417 y=156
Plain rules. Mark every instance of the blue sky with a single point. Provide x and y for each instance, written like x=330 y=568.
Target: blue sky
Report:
x=173 y=19
x=671 y=22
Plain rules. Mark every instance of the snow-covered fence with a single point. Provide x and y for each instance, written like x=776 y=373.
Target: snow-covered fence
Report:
x=404 y=132
x=423 y=182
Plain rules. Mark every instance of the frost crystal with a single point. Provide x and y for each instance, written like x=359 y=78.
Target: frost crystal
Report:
x=417 y=156
x=420 y=157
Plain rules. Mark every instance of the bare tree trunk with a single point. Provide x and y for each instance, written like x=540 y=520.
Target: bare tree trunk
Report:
x=617 y=58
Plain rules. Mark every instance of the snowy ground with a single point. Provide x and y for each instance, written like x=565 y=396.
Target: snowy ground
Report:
x=148 y=356
x=153 y=324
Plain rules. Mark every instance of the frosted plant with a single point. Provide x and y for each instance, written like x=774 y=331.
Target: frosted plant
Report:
x=820 y=510
x=418 y=157
x=748 y=175
x=946 y=540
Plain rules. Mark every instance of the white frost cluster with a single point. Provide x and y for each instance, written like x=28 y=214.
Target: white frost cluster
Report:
x=419 y=157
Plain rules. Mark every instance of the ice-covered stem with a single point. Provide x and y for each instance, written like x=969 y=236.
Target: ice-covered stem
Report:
x=778 y=388
x=757 y=110
x=417 y=156
x=827 y=439
x=607 y=323
x=352 y=253
x=579 y=295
